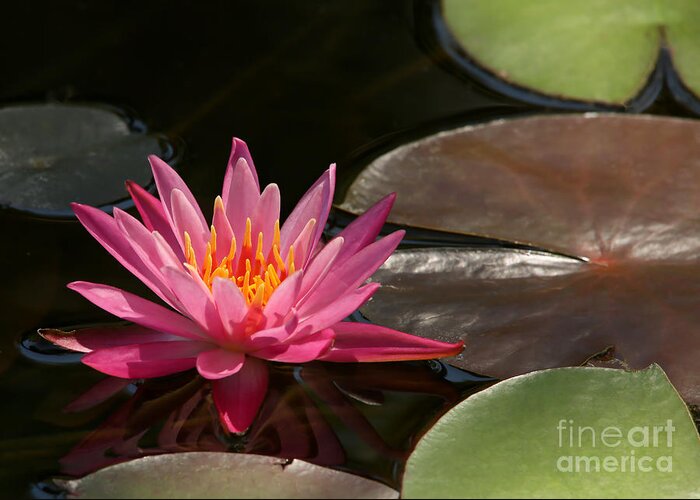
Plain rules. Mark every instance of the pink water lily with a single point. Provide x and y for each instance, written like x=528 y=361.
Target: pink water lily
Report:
x=241 y=291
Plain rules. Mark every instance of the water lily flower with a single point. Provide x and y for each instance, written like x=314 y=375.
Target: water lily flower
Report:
x=242 y=290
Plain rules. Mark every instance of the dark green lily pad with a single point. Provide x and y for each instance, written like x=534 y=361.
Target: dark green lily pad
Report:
x=584 y=50
x=619 y=192
x=520 y=439
x=55 y=154
x=222 y=475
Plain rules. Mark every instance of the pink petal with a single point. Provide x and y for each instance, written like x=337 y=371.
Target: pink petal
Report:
x=187 y=217
x=238 y=397
x=315 y=204
x=231 y=306
x=266 y=213
x=104 y=229
x=168 y=180
x=305 y=243
x=146 y=360
x=130 y=307
x=339 y=309
x=365 y=229
x=144 y=243
x=239 y=150
x=283 y=299
x=319 y=267
x=102 y=337
x=350 y=274
x=153 y=251
x=151 y=210
x=165 y=251
x=362 y=342
x=270 y=336
x=311 y=348
x=219 y=363
x=224 y=232
x=197 y=300
x=240 y=194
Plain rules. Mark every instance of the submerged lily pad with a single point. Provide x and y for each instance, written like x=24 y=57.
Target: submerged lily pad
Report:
x=619 y=191
x=562 y=433
x=222 y=475
x=54 y=154
x=585 y=50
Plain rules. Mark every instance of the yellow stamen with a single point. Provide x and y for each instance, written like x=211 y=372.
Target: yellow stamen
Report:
x=268 y=281
x=246 y=285
x=256 y=275
x=274 y=277
x=259 y=295
x=212 y=240
x=208 y=262
x=219 y=272
x=277 y=238
x=231 y=254
x=259 y=247
x=219 y=204
x=259 y=257
x=190 y=257
x=248 y=238
x=290 y=261
x=278 y=259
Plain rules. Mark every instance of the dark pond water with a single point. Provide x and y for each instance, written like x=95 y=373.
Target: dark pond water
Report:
x=305 y=84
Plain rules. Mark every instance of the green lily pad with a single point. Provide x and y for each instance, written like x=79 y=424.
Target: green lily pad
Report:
x=222 y=475
x=55 y=154
x=562 y=433
x=618 y=192
x=585 y=50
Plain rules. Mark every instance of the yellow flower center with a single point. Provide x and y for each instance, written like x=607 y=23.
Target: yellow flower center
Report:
x=257 y=275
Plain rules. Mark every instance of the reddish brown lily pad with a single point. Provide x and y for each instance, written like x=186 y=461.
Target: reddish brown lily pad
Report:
x=622 y=192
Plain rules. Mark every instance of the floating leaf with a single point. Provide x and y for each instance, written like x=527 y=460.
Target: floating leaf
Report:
x=585 y=50
x=222 y=475
x=620 y=191
x=520 y=439
x=54 y=154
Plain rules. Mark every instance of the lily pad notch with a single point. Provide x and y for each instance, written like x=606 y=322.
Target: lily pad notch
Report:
x=550 y=53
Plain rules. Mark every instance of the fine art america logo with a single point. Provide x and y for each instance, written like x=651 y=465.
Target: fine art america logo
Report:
x=638 y=449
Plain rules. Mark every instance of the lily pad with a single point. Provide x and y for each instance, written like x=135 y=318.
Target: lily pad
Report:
x=618 y=192
x=222 y=475
x=583 y=50
x=55 y=154
x=562 y=433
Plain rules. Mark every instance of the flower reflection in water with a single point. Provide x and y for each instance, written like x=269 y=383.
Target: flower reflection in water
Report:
x=359 y=418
